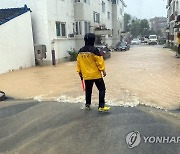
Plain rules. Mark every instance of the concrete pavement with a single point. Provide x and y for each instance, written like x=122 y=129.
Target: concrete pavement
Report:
x=64 y=128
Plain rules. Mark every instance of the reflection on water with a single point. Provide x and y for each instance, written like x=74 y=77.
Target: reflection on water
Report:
x=143 y=75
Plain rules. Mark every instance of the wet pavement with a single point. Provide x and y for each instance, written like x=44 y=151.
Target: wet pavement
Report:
x=63 y=128
x=147 y=75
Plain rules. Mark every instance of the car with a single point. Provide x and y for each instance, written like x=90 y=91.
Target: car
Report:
x=128 y=45
x=122 y=46
x=104 y=51
x=2 y=96
x=142 y=39
x=152 y=40
x=135 y=41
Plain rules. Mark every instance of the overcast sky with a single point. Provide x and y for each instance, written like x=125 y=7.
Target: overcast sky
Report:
x=146 y=9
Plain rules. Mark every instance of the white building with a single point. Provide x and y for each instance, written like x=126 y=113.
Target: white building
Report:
x=173 y=15
x=16 y=39
x=62 y=24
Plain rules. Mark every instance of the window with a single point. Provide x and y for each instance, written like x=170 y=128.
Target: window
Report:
x=60 y=28
x=86 y=27
x=109 y=15
x=114 y=1
x=76 y=1
x=120 y=11
x=103 y=7
x=78 y=28
x=121 y=25
x=96 y=17
x=87 y=1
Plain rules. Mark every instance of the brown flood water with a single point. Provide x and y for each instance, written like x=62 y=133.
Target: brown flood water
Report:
x=143 y=75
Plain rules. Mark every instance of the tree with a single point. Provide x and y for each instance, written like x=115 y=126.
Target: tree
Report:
x=137 y=27
x=144 y=26
x=127 y=18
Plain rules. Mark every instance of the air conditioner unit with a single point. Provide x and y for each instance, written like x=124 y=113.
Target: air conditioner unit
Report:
x=40 y=51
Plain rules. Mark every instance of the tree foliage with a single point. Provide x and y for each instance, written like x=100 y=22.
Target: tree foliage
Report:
x=137 y=27
x=127 y=19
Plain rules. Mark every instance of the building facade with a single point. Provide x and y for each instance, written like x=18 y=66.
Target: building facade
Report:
x=173 y=17
x=16 y=39
x=62 y=24
x=158 y=24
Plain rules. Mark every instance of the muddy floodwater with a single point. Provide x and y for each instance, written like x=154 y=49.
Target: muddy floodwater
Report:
x=143 y=75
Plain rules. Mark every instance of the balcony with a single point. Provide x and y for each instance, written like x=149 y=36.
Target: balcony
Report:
x=102 y=30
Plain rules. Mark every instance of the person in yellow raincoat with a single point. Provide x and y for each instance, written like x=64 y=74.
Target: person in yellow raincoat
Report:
x=178 y=53
x=91 y=67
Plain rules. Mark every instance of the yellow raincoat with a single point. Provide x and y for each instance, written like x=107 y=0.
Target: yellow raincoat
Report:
x=90 y=63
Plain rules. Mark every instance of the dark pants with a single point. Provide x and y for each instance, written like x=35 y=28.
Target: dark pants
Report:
x=100 y=86
x=179 y=49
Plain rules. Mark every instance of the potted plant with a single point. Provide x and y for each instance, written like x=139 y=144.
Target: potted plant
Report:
x=73 y=54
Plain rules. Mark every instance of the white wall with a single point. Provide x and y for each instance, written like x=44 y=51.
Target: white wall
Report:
x=39 y=16
x=39 y=19
x=60 y=11
x=46 y=12
x=16 y=44
x=118 y=19
x=85 y=11
x=44 y=15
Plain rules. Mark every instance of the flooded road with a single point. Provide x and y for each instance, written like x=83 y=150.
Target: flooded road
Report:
x=143 y=75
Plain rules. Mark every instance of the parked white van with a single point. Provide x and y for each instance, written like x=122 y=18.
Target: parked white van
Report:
x=152 y=39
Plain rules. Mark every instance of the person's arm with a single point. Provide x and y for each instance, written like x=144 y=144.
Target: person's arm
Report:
x=104 y=73
x=99 y=62
x=78 y=68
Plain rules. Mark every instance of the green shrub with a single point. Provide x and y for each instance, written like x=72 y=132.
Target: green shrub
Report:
x=174 y=48
x=161 y=42
x=73 y=55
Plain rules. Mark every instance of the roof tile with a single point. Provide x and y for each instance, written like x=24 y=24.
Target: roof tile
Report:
x=10 y=13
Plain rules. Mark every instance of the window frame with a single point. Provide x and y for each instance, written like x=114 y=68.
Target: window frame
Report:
x=77 y=1
x=108 y=15
x=87 y=25
x=103 y=7
x=121 y=11
x=61 y=29
x=78 y=28
x=96 y=17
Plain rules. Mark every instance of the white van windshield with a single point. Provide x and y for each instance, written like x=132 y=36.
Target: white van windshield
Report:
x=153 y=37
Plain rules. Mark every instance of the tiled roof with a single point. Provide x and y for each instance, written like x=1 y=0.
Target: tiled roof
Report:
x=10 y=13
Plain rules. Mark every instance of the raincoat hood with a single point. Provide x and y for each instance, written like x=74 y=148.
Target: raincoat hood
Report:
x=89 y=39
